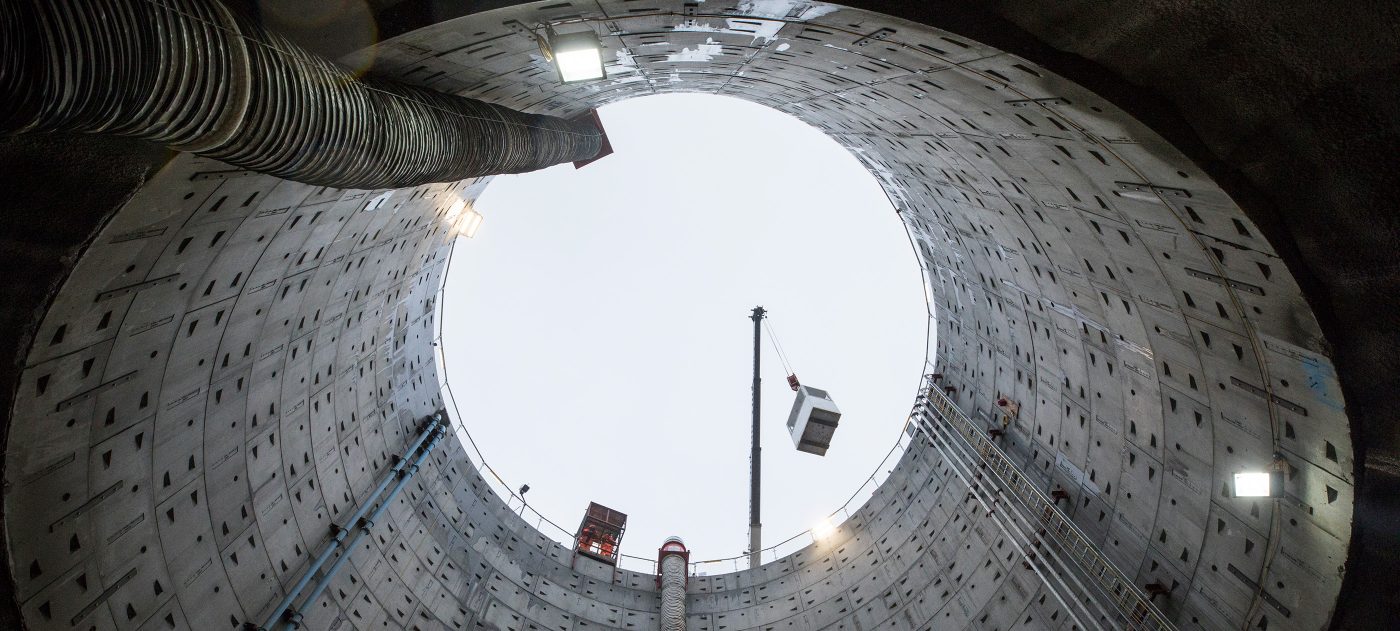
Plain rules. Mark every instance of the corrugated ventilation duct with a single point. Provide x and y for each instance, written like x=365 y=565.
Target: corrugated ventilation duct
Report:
x=673 y=575
x=197 y=77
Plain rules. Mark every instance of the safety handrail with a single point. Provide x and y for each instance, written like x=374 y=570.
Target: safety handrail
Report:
x=638 y=564
x=872 y=481
x=1125 y=597
x=567 y=538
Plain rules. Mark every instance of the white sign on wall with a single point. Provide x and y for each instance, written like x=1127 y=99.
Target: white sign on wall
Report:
x=1074 y=473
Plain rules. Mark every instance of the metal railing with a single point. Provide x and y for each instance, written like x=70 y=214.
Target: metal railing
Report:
x=517 y=503
x=647 y=565
x=1039 y=518
x=1046 y=523
x=805 y=538
x=734 y=563
x=1136 y=610
x=1015 y=525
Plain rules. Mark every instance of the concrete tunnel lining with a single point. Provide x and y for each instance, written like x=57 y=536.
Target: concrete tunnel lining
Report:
x=408 y=258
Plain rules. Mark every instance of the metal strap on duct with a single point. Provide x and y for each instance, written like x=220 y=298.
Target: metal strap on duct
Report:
x=194 y=76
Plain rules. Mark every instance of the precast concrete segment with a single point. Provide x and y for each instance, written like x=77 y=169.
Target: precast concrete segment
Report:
x=1041 y=521
x=362 y=528
x=234 y=358
x=399 y=474
x=193 y=75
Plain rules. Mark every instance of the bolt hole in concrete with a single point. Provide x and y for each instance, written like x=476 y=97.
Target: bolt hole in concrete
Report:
x=596 y=337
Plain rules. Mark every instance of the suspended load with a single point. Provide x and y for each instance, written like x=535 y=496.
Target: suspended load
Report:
x=813 y=420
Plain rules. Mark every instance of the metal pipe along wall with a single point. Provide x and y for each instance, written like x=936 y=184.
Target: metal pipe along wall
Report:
x=197 y=77
x=408 y=463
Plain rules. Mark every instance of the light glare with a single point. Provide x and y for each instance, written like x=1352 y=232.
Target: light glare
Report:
x=1252 y=484
x=471 y=223
x=579 y=65
x=823 y=529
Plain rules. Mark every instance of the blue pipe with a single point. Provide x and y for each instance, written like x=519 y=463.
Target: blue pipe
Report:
x=293 y=621
x=284 y=609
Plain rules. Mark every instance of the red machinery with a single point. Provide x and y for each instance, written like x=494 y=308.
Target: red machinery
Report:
x=672 y=546
x=600 y=533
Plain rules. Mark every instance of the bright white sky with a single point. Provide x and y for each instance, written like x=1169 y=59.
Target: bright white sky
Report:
x=596 y=330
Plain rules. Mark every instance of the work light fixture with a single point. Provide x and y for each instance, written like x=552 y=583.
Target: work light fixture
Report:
x=1266 y=483
x=577 y=56
x=469 y=223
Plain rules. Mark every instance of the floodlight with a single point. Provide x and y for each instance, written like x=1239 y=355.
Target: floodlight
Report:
x=471 y=223
x=1258 y=484
x=578 y=56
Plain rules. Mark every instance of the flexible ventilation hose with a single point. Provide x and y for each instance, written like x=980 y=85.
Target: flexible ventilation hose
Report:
x=673 y=571
x=195 y=76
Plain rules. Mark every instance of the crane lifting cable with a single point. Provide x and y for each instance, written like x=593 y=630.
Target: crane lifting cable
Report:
x=814 y=415
x=782 y=357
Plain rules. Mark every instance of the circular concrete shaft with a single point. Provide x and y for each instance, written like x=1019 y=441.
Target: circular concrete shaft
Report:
x=235 y=359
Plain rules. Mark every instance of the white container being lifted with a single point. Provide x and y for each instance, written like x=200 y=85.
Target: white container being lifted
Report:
x=813 y=420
